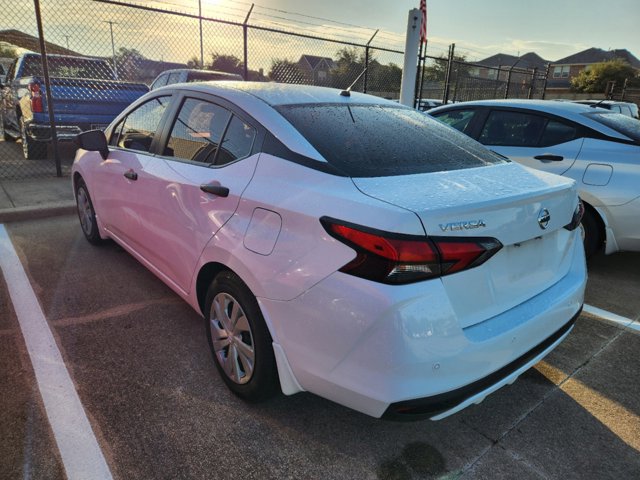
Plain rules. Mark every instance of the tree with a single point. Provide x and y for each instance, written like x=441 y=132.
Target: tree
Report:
x=8 y=52
x=350 y=62
x=286 y=71
x=437 y=71
x=226 y=63
x=130 y=64
x=596 y=78
x=194 y=62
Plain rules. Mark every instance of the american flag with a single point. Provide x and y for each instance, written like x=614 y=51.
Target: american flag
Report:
x=423 y=25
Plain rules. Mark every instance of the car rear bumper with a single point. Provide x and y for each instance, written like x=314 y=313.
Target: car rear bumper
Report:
x=379 y=347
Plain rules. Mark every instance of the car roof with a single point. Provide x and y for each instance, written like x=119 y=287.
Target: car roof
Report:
x=569 y=110
x=277 y=94
x=258 y=99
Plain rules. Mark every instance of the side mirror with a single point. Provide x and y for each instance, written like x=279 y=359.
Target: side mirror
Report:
x=94 y=141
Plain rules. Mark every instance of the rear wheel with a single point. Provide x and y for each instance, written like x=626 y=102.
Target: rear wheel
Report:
x=87 y=214
x=239 y=339
x=31 y=149
x=591 y=233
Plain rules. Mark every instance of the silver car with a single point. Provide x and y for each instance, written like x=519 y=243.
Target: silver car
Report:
x=599 y=149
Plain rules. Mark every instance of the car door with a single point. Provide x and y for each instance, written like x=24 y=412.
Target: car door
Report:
x=115 y=179
x=194 y=186
x=534 y=139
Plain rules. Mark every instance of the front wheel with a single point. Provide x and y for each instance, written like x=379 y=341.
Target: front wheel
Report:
x=239 y=339
x=31 y=149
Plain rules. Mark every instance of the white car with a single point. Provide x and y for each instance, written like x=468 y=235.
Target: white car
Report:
x=599 y=149
x=339 y=243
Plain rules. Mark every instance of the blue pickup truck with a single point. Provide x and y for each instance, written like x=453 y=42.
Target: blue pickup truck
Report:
x=86 y=95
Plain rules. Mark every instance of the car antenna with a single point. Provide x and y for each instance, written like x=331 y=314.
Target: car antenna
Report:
x=347 y=92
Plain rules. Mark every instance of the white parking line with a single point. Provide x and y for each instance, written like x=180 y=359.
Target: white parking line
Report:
x=79 y=449
x=611 y=317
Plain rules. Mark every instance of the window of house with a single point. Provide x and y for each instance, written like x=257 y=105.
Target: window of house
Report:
x=197 y=131
x=561 y=71
x=137 y=130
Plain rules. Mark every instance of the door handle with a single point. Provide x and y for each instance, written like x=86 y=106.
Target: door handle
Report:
x=131 y=175
x=549 y=156
x=218 y=190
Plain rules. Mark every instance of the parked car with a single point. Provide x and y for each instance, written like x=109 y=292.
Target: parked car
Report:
x=425 y=104
x=408 y=274
x=600 y=150
x=86 y=96
x=186 y=75
x=625 y=108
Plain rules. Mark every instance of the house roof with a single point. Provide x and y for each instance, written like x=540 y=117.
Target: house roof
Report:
x=528 y=60
x=29 y=42
x=596 y=55
x=314 y=61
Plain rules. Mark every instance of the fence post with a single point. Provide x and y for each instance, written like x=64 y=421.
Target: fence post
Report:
x=531 y=85
x=447 y=78
x=546 y=77
x=47 y=83
x=366 y=61
x=201 y=39
x=245 y=29
x=624 y=89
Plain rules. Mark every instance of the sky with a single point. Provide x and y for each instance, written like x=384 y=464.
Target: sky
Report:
x=552 y=28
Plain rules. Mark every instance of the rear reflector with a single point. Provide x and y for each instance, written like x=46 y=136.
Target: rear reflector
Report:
x=36 y=97
x=398 y=259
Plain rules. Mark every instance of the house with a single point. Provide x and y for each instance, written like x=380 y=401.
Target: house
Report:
x=25 y=41
x=563 y=70
x=316 y=69
x=497 y=66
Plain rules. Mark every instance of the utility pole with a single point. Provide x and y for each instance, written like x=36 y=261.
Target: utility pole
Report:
x=113 y=47
x=201 y=40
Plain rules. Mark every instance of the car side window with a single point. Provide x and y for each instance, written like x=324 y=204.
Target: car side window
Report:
x=237 y=142
x=11 y=71
x=140 y=126
x=458 y=119
x=557 y=132
x=197 y=131
x=160 y=82
x=173 y=78
x=515 y=129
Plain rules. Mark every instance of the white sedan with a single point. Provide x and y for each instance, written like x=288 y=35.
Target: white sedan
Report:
x=599 y=149
x=339 y=243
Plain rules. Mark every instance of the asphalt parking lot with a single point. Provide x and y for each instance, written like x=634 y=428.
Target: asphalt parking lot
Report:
x=138 y=359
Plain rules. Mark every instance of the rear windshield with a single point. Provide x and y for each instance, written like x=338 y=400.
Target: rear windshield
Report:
x=380 y=140
x=623 y=124
x=68 y=67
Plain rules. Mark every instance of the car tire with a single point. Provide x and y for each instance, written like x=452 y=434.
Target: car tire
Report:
x=591 y=233
x=239 y=339
x=5 y=135
x=87 y=214
x=31 y=149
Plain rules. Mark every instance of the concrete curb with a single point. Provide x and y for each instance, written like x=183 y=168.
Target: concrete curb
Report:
x=32 y=212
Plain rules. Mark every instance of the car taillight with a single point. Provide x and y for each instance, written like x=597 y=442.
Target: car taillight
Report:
x=36 y=97
x=398 y=259
x=577 y=217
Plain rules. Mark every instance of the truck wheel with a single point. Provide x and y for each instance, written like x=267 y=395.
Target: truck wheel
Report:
x=31 y=149
x=5 y=135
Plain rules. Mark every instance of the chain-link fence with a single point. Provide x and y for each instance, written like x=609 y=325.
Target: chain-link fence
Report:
x=102 y=55
x=446 y=79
